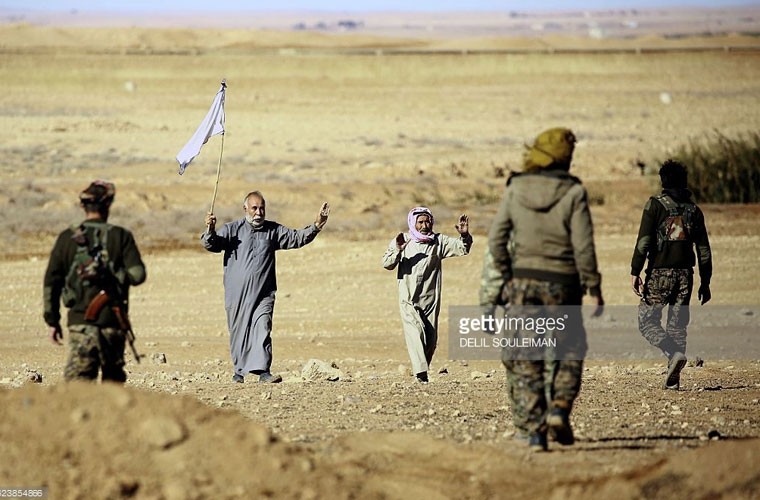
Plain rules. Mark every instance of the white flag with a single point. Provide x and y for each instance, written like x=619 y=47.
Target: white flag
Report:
x=212 y=125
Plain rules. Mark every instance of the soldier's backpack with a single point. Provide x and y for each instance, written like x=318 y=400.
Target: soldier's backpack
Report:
x=680 y=222
x=89 y=268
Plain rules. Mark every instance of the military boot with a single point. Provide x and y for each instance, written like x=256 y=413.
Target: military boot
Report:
x=559 y=426
x=675 y=365
x=537 y=441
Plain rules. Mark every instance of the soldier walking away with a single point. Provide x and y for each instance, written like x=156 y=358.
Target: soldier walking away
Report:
x=542 y=244
x=672 y=226
x=91 y=268
x=250 y=281
x=417 y=256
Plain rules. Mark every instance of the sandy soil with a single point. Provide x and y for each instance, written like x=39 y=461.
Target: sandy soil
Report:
x=374 y=136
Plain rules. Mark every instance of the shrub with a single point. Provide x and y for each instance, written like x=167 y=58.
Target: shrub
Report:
x=723 y=170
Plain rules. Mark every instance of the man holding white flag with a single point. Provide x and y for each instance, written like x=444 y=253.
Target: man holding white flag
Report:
x=250 y=282
x=212 y=125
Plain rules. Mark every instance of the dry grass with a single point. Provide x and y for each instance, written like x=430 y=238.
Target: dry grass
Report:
x=392 y=131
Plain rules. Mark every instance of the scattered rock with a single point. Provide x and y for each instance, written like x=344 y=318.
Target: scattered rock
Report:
x=666 y=98
x=158 y=358
x=350 y=400
x=316 y=369
x=478 y=375
x=713 y=435
x=443 y=370
x=34 y=376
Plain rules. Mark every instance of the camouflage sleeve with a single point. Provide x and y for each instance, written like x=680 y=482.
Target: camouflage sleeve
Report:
x=646 y=240
x=491 y=283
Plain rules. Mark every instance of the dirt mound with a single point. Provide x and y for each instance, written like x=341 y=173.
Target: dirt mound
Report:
x=85 y=441
x=106 y=441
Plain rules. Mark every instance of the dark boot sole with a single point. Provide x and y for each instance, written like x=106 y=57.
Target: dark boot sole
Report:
x=559 y=431
x=674 y=373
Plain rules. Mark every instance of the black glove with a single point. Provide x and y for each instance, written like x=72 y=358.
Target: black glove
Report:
x=703 y=294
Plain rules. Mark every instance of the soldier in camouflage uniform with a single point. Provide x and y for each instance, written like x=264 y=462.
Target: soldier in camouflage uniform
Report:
x=83 y=261
x=671 y=227
x=541 y=242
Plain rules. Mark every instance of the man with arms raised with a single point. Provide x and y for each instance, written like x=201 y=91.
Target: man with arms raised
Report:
x=418 y=255
x=249 y=245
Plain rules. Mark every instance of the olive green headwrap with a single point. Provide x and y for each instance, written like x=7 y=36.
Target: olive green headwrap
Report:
x=552 y=148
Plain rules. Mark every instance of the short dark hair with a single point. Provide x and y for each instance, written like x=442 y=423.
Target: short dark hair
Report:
x=673 y=175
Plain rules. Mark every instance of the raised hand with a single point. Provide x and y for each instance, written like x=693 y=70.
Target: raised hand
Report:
x=463 y=227
x=210 y=221
x=324 y=213
x=400 y=241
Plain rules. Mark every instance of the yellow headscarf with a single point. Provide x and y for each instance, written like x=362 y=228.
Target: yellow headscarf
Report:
x=553 y=147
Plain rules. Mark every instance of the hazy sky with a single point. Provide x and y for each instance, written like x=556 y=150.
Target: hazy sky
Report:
x=354 y=5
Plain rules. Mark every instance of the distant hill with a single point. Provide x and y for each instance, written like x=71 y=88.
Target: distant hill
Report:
x=618 y=23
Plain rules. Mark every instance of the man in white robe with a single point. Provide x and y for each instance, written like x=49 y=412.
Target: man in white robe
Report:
x=417 y=255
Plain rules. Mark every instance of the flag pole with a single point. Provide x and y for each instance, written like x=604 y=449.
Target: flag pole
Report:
x=219 y=164
x=218 y=173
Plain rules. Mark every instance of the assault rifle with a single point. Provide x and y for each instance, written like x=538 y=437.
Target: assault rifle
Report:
x=97 y=272
x=98 y=303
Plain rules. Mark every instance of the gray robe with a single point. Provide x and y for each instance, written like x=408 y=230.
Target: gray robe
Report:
x=419 y=290
x=250 y=284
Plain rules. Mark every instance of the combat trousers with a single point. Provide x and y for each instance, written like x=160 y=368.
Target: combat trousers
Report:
x=538 y=385
x=671 y=288
x=92 y=349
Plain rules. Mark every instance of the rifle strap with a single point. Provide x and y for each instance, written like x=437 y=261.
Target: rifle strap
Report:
x=669 y=203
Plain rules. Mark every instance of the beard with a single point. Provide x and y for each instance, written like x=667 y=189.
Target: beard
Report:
x=254 y=222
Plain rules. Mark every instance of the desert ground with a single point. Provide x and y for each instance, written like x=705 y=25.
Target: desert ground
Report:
x=310 y=119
